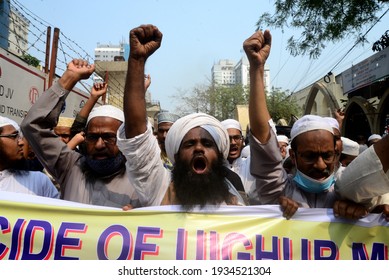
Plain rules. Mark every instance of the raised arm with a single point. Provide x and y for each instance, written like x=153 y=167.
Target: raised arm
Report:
x=257 y=49
x=144 y=41
x=76 y=71
x=98 y=90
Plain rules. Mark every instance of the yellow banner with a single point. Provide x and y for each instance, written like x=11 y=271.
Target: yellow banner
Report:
x=43 y=229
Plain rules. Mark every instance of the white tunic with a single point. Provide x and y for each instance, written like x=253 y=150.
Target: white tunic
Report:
x=364 y=180
x=29 y=182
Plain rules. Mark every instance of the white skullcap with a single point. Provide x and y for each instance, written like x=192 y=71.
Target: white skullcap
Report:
x=308 y=123
x=332 y=122
x=231 y=123
x=106 y=111
x=283 y=138
x=182 y=126
x=6 y=121
x=350 y=147
x=374 y=137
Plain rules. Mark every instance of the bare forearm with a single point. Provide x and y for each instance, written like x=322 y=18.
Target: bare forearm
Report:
x=89 y=104
x=258 y=112
x=134 y=106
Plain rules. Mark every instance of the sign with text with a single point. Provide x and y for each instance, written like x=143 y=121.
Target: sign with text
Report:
x=47 y=229
x=21 y=85
x=366 y=72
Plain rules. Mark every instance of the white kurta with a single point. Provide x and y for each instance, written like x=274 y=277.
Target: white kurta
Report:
x=364 y=180
x=145 y=168
x=29 y=182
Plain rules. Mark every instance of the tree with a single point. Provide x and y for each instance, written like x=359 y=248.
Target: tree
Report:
x=217 y=100
x=322 y=21
x=382 y=43
x=282 y=105
x=220 y=101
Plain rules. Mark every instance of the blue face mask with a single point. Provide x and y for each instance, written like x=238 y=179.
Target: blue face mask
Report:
x=311 y=185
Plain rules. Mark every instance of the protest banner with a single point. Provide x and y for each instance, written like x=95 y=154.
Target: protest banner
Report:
x=36 y=228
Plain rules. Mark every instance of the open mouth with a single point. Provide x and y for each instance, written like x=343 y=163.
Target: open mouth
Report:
x=199 y=165
x=234 y=149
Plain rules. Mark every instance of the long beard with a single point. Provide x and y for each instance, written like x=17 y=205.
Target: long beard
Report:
x=104 y=167
x=19 y=164
x=200 y=189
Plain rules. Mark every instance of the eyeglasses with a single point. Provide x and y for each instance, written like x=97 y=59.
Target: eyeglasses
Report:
x=108 y=138
x=311 y=158
x=14 y=136
x=236 y=138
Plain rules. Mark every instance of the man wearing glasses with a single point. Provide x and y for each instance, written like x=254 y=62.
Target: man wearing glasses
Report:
x=237 y=163
x=97 y=177
x=312 y=146
x=12 y=161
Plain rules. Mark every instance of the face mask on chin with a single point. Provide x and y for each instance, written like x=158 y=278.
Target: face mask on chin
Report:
x=311 y=185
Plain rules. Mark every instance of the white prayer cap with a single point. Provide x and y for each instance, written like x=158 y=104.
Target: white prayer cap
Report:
x=332 y=122
x=283 y=138
x=231 y=123
x=308 y=123
x=182 y=126
x=374 y=137
x=350 y=147
x=106 y=111
x=6 y=121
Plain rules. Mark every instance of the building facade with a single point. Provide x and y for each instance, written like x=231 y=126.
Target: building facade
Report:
x=227 y=72
x=362 y=92
x=14 y=29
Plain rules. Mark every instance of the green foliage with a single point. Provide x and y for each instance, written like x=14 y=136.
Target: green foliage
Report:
x=321 y=21
x=382 y=43
x=220 y=101
x=31 y=60
x=281 y=105
x=217 y=100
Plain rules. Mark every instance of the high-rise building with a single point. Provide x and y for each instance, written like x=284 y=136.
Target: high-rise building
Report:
x=109 y=52
x=4 y=23
x=223 y=72
x=18 y=32
x=227 y=72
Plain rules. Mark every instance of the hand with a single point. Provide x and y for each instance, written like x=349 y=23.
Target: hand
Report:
x=127 y=207
x=257 y=47
x=81 y=68
x=98 y=90
x=144 y=41
x=339 y=116
x=288 y=206
x=349 y=209
x=79 y=137
x=147 y=81
x=384 y=209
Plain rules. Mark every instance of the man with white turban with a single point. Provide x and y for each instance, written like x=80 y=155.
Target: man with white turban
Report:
x=98 y=177
x=196 y=144
x=12 y=162
x=312 y=146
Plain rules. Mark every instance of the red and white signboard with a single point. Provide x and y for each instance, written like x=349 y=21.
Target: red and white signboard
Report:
x=21 y=85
